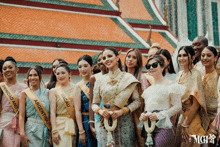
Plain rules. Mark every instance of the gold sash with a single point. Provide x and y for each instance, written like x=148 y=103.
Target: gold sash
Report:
x=10 y=96
x=149 y=78
x=84 y=88
x=39 y=107
x=125 y=88
x=70 y=108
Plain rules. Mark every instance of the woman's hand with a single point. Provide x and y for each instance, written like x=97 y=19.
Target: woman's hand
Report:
x=143 y=117
x=93 y=130
x=117 y=113
x=56 y=138
x=185 y=134
x=25 y=140
x=153 y=117
x=104 y=113
x=82 y=139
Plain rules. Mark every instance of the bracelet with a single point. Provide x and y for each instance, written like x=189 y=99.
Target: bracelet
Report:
x=91 y=121
x=81 y=132
x=185 y=126
x=97 y=111
x=125 y=110
x=54 y=131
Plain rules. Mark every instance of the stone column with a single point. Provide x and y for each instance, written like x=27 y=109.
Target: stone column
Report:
x=199 y=18
x=208 y=8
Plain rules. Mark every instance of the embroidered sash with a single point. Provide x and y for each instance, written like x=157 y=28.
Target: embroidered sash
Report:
x=70 y=108
x=10 y=96
x=84 y=88
x=39 y=107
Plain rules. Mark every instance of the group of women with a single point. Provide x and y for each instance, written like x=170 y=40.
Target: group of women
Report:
x=113 y=107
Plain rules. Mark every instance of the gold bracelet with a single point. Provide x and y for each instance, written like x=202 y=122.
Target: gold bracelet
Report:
x=125 y=110
x=54 y=131
x=185 y=126
x=97 y=111
x=81 y=132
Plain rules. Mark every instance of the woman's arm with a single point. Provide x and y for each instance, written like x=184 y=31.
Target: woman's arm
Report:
x=77 y=104
x=91 y=113
x=52 y=98
x=192 y=112
x=22 y=109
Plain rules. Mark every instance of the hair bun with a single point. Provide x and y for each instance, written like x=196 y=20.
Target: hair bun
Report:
x=9 y=58
x=40 y=68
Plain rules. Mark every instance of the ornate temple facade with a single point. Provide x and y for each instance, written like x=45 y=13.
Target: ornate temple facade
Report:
x=190 y=18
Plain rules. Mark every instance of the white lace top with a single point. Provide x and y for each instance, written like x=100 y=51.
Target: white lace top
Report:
x=171 y=77
x=161 y=97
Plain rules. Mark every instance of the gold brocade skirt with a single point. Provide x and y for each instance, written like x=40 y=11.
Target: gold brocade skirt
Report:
x=67 y=130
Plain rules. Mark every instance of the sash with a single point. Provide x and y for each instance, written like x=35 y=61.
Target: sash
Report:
x=70 y=108
x=84 y=88
x=10 y=96
x=39 y=107
x=149 y=78
x=126 y=85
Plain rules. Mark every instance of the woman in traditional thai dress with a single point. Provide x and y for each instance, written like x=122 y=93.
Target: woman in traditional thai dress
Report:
x=193 y=119
x=95 y=128
x=210 y=84
x=53 y=80
x=158 y=99
x=133 y=65
x=81 y=101
x=35 y=131
x=168 y=71
x=62 y=111
x=119 y=93
x=9 y=94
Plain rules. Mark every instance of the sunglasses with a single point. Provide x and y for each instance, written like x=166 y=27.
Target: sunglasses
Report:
x=154 y=65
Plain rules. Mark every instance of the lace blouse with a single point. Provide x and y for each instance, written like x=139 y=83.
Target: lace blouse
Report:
x=159 y=97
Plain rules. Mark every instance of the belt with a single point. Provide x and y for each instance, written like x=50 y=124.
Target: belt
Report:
x=39 y=121
x=85 y=113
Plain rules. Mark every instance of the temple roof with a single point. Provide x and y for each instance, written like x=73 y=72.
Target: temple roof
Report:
x=46 y=25
x=28 y=56
x=143 y=15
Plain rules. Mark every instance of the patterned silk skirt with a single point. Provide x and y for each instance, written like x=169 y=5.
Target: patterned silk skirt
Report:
x=123 y=135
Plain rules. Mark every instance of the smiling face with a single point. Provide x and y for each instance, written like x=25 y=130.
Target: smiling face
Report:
x=154 y=68
x=110 y=60
x=100 y=64
x=33 y=78
x=55 y=64
x=131 y=59
x=208 y=58
x=183 y=58
x=198 y=46
x=62 y=75
x=84 y=68
x=9 y=70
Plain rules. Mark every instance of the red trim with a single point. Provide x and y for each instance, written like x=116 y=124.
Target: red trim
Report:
x=46 y=71
x=62 y=45
x=173 y=35
x=61 y=7
x=147 y=26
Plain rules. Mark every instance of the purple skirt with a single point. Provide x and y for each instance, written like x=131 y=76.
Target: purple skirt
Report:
x=161 y=137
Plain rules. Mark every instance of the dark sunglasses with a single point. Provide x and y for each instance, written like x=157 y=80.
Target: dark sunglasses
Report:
x=154 y=65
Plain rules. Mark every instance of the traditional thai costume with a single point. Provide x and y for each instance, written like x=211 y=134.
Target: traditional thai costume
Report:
x=118 y=89
x=158 y=99
x=35 y=129
x=11 y=137
x=91 y=140
x=192 y=80
x=65 y=124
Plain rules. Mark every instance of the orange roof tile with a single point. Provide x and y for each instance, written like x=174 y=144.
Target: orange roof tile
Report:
x=26 y=21
x=133 y=9
x=157 y=37
x=93 y=2
x=46 y=55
